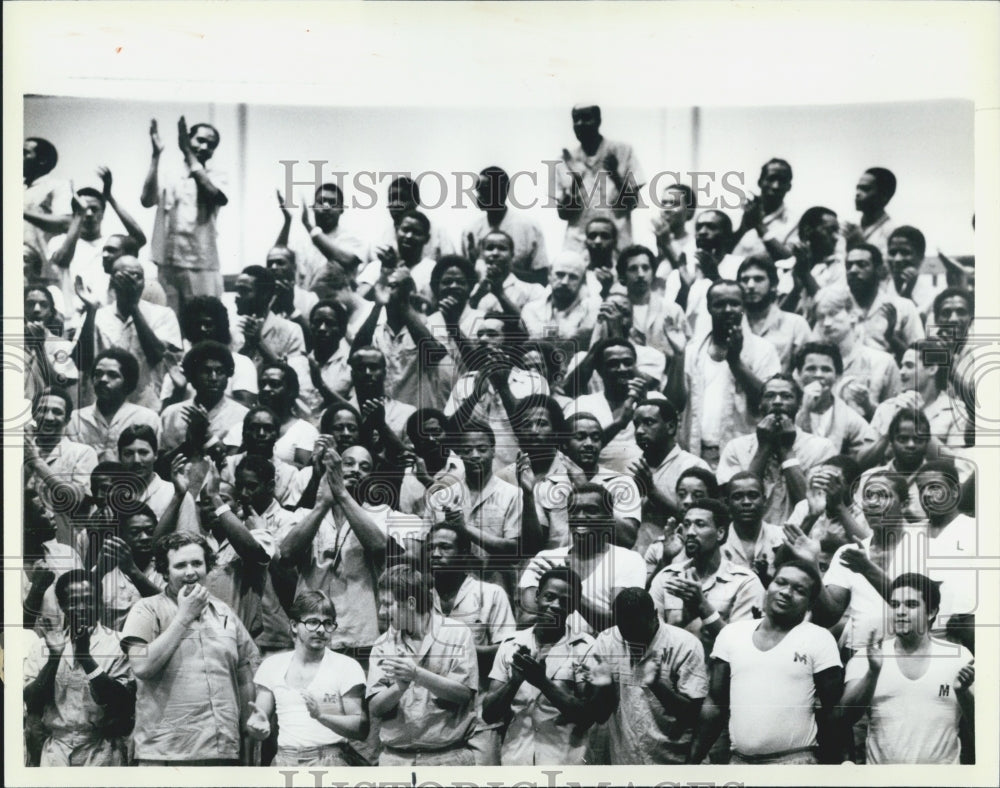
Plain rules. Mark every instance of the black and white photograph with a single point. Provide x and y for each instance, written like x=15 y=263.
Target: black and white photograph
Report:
x=493 y=415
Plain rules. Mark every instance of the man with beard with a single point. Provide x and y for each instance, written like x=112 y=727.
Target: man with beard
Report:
x=344 y=542
x=147 y=331
x=604 y=568
x=658 y=470
x=646 y=679
x=600 y=178
x=766 y=225
x=260 y=433
x=55 y=467
x=535 y=681
x=888 y=321
x=502 y=289
x=187 y=209
x=788 y=332
x=723 y=374
x=566 y=315
x=327 y=242
x=904 y=684
x=527 y=242
x=461 y=594
x=706 y=591
x=290 y=300
x=817 y=369
x=817 y=261
x=777 y=451
x=114 y=377
x=752 y=543
x=875 y=188
x=208 y=366
x=767 y=674
x=79 y=681
x=78 y=255
x=261 y=334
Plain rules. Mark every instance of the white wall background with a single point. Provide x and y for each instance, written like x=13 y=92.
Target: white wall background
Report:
x=927 y=144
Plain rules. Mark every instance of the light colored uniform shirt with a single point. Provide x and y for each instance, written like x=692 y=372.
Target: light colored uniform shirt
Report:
x=772 y=693
x=737 y=455
x=734 y=591
x=185 y=233
x=73 y=711
x=111 y=330
x=535 y=737
x=621 y=449
x=875 y=369
x=735 y=419
x=641 y=730
x=529 y=243
x=87 y=425
x=544 y=321
x=597 y=182
x=787 y=331
x=517 y=292
x=769 y=539
x=873 y=324
x=191 y=709
x=281 y=335
x=420 y=721
x=228 y=414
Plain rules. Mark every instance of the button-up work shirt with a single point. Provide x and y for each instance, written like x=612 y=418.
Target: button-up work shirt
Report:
x=421 y=720
x=185 y=233
x=535 y=736
x=88 y=425
x=641 y=730
x=191 y=709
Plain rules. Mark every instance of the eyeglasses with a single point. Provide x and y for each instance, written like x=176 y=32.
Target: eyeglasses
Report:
x=314 y=624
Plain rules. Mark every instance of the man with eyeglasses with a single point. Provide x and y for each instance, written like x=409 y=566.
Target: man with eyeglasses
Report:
x=318 y=694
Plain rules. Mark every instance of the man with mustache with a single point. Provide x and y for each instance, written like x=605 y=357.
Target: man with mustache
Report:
x=888 y=321
x=706 y=591
x=114 y=377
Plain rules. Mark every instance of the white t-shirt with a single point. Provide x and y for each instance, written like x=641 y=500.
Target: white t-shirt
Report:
x=866 y=610
x=337 y=675
x=714 y=401
x=914 y=720
x=772 y=692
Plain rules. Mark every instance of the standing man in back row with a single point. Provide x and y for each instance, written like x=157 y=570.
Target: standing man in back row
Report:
x=187 y=207
x=601 y=178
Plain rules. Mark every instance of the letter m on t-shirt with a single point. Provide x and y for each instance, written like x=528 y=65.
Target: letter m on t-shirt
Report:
x=800 y=658
x=944 y=691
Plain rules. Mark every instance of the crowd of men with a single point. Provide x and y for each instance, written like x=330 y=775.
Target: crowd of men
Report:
x=421 y=500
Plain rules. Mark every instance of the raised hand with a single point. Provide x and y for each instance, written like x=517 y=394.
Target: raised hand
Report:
x=734 y=343
x=154 y=138
x=966 y=677
x=250 y=327
x=388 y=256
x=785 y=432
x=334 y=471
x=706 y=262
x=651 y=669
x=525 y=475
x=55 y=639
x=597 y=672
x=606 y=276
x=191 y=602
x=455 y=518
x=753 y=213
x=642 y=474
x=105 y=175
x=197 y=425
x=803 y=547
x=281 y=203
x=611 y=162
x=767 y=430
x=811 y=394
x=312 y=704
x=183 y=137
x=116 y=552
x=816 y=498
x=307 y=221
x=373 y=410
x=179 y=475
x=875 y=656
x=402 y=671
x=532 y=669
x=856 y=560
x=257 y=724
x=908 y=279
x=888 y=311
